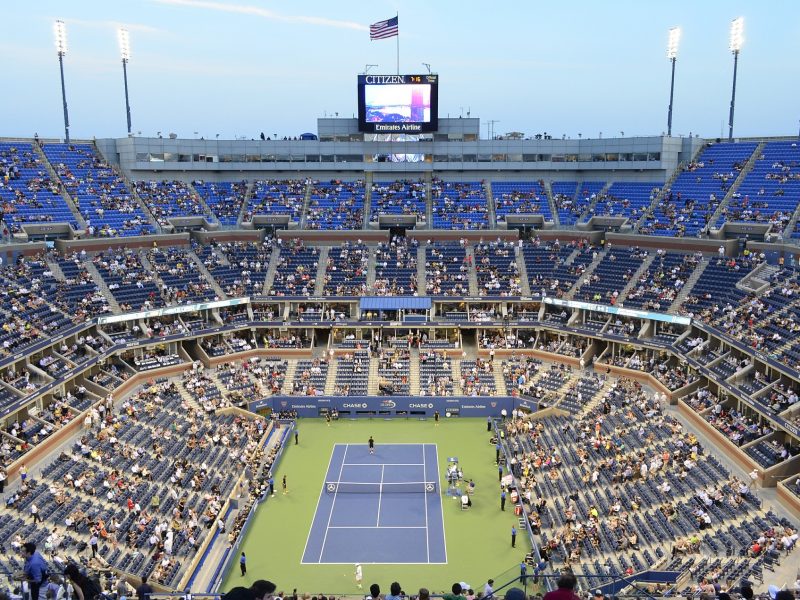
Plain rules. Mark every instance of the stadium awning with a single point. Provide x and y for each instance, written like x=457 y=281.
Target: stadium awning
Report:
x=394 y=303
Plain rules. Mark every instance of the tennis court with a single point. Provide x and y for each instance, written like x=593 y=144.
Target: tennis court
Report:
x=383 y=508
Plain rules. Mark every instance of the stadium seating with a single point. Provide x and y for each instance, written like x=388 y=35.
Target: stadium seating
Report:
x=574 y=199
x=169 y=199
x=398 y=198
x=100 y=193
x=626 y=199
x=27 y=193
x=223 y=198
x=296 y=271
x=459 y=205
x=520 y=198
x=396 y=268
x=183 y=282
x=240 y=268
x=497 y=270
x=446 y=269
x=336 y=205
x=687 y=207
x=346 y=271
x=277 y=197
x=770 y=192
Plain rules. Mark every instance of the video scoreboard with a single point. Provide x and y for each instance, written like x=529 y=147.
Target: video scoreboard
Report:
x=398 y=103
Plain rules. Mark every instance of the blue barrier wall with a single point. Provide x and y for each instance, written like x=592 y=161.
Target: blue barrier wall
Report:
x=394 y=406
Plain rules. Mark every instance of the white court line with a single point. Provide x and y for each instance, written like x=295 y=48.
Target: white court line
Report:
x=333 y=503
x=386 y=464
x=441 y=507
x=425 y=478
x=375 y=563
x=376 y=527
x=316 y=508
x=380 y=496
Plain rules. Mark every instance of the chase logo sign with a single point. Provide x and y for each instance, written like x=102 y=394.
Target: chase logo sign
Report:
x=412 y=405
x=356 y=405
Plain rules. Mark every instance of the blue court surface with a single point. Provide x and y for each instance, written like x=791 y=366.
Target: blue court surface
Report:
x=383 y=508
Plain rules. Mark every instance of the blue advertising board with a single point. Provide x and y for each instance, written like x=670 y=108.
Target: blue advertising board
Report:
x=394 y=406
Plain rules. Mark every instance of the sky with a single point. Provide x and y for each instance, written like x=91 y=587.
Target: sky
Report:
x=238 y=68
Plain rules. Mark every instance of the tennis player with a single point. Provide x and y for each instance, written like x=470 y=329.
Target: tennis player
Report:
x=359 y=575
x=371 y=444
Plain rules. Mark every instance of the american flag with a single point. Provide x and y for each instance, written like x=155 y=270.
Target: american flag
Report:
x=383 y=29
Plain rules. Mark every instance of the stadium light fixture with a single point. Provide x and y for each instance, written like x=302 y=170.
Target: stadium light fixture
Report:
x=427 y=66
x=672 y=42
x=672 y=54
x=735 y=46
x=125 y=51
x=60 y=32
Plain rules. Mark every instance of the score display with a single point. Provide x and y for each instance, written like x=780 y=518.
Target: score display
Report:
x=398 y=103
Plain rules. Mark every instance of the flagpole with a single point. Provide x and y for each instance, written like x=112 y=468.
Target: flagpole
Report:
x=397 y=16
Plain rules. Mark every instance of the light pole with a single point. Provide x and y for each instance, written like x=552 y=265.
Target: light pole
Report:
x=60 y=31
x=672 y=55
x=737 y=39
x=125 y=52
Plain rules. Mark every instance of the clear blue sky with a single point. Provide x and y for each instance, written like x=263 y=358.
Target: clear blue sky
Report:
x=239 y=68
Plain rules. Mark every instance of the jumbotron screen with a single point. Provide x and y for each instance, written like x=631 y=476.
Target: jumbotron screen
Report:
x=398 y=103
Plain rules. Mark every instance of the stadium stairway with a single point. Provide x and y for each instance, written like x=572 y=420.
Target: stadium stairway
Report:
x=207 y=276
x=687 y=287
x=138 y=199
x=291 y=371
x=787 y=232
x=374 y=379
x=304 y=213
x=102 y=286
x=54 y=267
x=491 y=214
x=413 y=373
x=525 y=283
x=499 y=379
x=371 y=270
x=756 y=279
x=421 y=282
x=369 y=178
x=589 y=212
x=271 y=269
x=586 y=274
x=73 y=208
x=248 y=195
x=634 y=280
x=455 y=367
x=735 y=187
x=473 y=273
x=428 y=201
x=330 y=382
x=319 y=286
x=651 y=211
x=208 y=213
x=553 y=210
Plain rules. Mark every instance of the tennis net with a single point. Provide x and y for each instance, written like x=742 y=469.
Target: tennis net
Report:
x=376 y=487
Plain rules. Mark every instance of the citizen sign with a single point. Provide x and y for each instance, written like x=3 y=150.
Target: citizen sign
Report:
x=385 y=79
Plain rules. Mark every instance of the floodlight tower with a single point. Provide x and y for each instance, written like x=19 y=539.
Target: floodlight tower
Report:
x=60 y=31
x=672 y=55
x=736 y=41
x=125 y=52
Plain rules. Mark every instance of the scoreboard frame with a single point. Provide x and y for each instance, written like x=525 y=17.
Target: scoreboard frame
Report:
x=430 y=126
